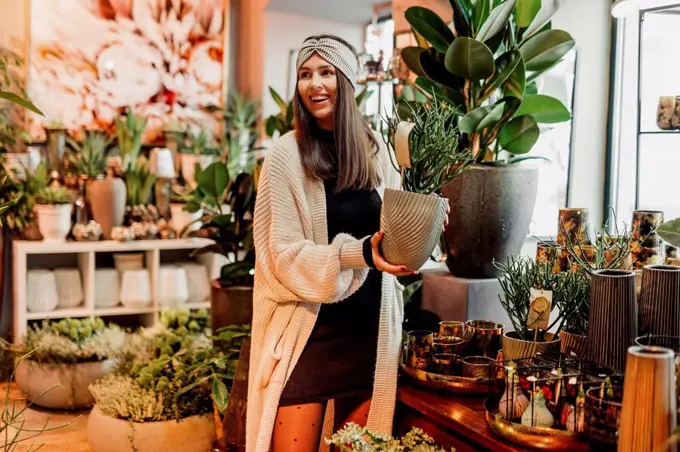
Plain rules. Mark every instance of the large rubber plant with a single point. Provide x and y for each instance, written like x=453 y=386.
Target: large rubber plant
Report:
x=487 y=62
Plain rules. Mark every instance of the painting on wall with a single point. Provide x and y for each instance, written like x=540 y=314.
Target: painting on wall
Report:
x=91 y=59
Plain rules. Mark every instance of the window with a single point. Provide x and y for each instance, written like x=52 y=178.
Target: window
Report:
x=379 y=39
x=644 y=158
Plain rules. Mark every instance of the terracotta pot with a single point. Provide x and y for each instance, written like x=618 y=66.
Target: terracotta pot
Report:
x=107 y=201
x=63 y=386
x=230 y=305
x=573 y=343
x=516 y=348
x=108 y=434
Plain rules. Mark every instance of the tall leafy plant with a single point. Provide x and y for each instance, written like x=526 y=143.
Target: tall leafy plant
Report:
x=487 y=63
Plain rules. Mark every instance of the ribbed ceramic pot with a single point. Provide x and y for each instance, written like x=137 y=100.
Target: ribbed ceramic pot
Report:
x=612 y=322
x=646 y=243
x=660 y=300
x=572 y=343
x=412 y=223
x=648 y=415
x=515 y=348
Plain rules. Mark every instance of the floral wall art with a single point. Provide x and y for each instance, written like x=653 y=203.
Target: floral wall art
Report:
x=90 y=59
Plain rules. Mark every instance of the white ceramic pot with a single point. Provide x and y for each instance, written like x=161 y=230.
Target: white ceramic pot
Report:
x=181 y=218
x=69 y=287
x=54 y=221
x=63 y=386
x=189 y=162
x=161 y=163
x=198 y=281
x=106 y=288
x=172 y=285
x=128 y=261
x=135 y=289
x=108 y=434
x=41 y=290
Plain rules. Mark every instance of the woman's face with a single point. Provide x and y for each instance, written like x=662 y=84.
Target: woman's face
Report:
x=317 y=85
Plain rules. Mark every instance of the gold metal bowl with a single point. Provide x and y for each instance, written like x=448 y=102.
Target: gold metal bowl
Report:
x=451 y=383
x=537 y=438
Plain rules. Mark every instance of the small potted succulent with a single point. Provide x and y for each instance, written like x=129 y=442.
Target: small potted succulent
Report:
x=64 y=358
x=424 y=148
x=53 y=206
x=531 y=293
x=353 y=438
x=201 y=150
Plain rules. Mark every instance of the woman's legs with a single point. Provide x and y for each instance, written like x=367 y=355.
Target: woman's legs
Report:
x=298 y=428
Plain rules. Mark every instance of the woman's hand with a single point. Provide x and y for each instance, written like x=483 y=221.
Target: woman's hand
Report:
x=381 y=264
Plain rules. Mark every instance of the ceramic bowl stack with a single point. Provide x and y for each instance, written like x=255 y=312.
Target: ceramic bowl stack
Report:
x=41 y=288
x=69 y=287
x=106 y=288
x=172 y=286
x=198 y=282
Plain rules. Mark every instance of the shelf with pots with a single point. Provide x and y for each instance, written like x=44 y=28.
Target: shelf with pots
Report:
x=108 y=278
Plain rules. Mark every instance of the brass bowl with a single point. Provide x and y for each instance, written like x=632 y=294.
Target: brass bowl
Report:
x=452 y=384
x=537 y=438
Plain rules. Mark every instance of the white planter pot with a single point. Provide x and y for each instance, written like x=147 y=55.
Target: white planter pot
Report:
x=54 y=221
x=189 y=162
x=41 y=290
x=181 y=218
x=135 y=289
x=63 y=386
x=107 y=434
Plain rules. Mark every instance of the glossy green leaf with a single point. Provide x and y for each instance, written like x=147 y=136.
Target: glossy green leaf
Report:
x=25 y=103
x=532 y=88
x=524 y=158
x=526 y=12
x=411 y=57
x=422 y=42
x=270 y=126
x=670 y=232
x=492 y=118
x=497 y=21
x=461 y=17
x=449 y=95
x=481 y=13
x=278 y=99
x=548 y=9
x=470 y=122
x=544 y=109
x=515 y=84
x=519 y=135
x=510 y=106
x=430 y=26
x=220 y=395
x=545 y=49
x=505 y=66
x=214 y=180
x=469 y=59
x=437 y=72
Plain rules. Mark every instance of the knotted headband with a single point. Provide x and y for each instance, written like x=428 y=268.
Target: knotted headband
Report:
x=333 y=51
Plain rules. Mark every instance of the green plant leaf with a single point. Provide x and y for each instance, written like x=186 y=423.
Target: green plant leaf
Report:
x=430 y=26
x=546 y=49
x=449 y=95
x=278 y=99
x=362 y=96
x=519 y=135
x=461 y=17
x=411 y=57
x=422 y=42
x=492 y=118
x=27 y=104
x=523 y=158
x=270 y=125
x=481 y=13
x=469 y=59
x=670 y=232
x=516 y=82
x=220 y=395
x=510 y=106
x=470 y=122
x=548 y=9
x=544 y=109
x=505 y=66
x=437 y=72
x=214 y=180
x=497 y=21
x=411 y=289
x=532 y=88
x=526 y=12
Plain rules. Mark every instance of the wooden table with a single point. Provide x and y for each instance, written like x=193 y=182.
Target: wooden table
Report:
x=453 y=421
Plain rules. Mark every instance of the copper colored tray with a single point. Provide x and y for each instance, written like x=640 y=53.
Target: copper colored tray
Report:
x=452 y=384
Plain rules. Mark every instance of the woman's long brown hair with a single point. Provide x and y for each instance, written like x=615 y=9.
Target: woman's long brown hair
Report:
x=353 y=161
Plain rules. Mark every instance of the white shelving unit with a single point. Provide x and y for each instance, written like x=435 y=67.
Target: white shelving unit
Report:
x=85 y=255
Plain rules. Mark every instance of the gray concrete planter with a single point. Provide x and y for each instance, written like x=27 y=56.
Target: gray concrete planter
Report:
x=491 y=209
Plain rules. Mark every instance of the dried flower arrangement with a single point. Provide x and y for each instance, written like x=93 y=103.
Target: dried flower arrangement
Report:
x=354 y=438
x=72 y=341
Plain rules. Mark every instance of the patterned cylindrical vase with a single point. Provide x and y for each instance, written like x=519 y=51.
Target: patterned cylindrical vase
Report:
x=670 y=253
x=612 y=321
x=648 y=415
x=547 y=252
x=660 y=300
x=572 y=226
x=646 y=243
x=616 y=251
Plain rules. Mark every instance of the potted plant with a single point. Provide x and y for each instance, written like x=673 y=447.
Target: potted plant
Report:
x=425 y=150
x=532 y=291
x=68 y=355
x=201 y=150
x=53 y=207
x=240 y=121
x=163 y=396
x=487 y=65
x=353 y=438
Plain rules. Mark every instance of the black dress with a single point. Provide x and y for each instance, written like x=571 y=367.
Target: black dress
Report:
x=339 y=358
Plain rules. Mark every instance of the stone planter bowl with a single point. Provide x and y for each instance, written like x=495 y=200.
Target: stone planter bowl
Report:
x=63 y=386
x=515 y=348
x=412 y=223
x=108 y=434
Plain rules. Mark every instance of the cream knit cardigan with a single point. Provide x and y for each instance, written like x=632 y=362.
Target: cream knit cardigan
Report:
x=297 y=270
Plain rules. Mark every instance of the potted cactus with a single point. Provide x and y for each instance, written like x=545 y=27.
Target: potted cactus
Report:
x=53 y=207
x=487 y=65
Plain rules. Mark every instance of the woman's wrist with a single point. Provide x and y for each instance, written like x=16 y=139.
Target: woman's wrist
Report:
x=368 y=253
x=352 y=254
